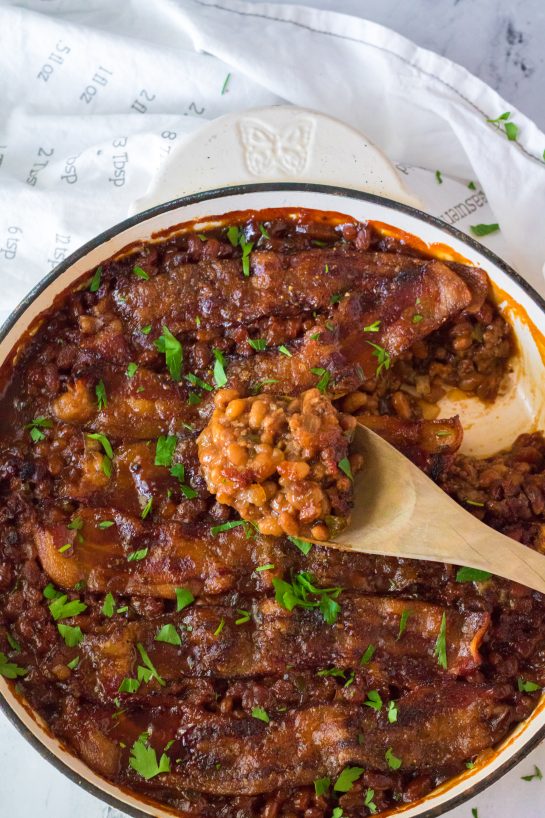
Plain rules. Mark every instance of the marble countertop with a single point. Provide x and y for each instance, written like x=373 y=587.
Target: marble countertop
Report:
x=501 y=42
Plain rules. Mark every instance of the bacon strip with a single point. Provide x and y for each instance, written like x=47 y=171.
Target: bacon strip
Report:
x=275 y=640
x=437 y=727
x=280 y=284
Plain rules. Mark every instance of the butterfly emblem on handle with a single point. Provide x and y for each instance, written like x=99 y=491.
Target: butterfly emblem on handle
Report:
x=287 y=150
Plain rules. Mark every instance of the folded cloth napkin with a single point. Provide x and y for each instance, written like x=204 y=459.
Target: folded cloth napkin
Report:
x=93 y=93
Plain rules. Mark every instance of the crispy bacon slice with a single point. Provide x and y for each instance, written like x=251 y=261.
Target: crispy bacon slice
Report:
x=437 y=727
x=280 y=284
x=430 y=444
x=274 y=640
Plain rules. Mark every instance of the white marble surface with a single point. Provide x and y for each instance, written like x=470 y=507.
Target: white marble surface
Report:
x=501 y=42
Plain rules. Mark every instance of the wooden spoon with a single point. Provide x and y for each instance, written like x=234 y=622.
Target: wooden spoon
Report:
x=400 y=512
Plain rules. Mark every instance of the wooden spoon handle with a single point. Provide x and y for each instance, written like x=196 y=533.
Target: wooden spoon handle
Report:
x=400 y=512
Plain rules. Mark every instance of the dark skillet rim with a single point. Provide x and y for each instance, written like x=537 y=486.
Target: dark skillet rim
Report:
x=220 y=193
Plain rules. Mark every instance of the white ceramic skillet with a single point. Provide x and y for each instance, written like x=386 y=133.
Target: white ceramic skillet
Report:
x=290 y=158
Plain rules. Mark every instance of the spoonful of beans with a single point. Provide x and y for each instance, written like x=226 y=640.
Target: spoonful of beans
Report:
x=296 y=466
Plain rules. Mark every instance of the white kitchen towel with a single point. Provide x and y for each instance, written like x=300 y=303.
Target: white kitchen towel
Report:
x=93 y=94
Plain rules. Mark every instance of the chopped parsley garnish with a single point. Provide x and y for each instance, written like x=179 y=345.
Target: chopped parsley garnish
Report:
x=100 y=392
x=108 y=456
x=336 y=672
x=470 y=765
x=61 y=608
x=475 y=812
x=368 y=655
x=65 y=547
x=94 y=284
x=258 y=344
x=74 y=663
x=440 y=649
x=225 y=86
x=472 y=185
x=10 y=670
x=123 y=609
x=13 y=643
x=146 y=330
x=139 y=554
x=143 y=759
x=344 y=466
x=261 y=714
x=178 y=471
x=403 y=619
x=184 y=597
x=76 y=524
x=285 y=351
x=220 y=627
x=173 y=352
x=383 y=357
x=35 y=426
x=368 y=801
x=484 y=229
x=336 y=298
x=326 y=268
x=439 y=177
x=220 y=378
x=244 y=617
x=168 y=634
x=263 y=231
x=350 y=679
x=417 y=318
x=104 y=442
x=321 y=786
x=233 y=234
x=196 y=381
x=140 y=273
x=106 y=524
x=303 y=593
x=314 y=336
x=164 y=450
x=147 y=508
x=391 y=712
x=527 y=687
x=50 y=592
x=373 y=700
x=268 y=567
x=323 y=378
x=511 y=130
x=537 y=774
x=246 y=247
x=151 y=672
x=131 y=369
x=347 y=779
x=258 y=387
x=218 y=529
x=129 y=685
x=472 y=575
x=304 y=546
x=473 y=503
x=71 y=635
x=374 y=327
x=394 y=763
x=337 y=812
x=108 y=606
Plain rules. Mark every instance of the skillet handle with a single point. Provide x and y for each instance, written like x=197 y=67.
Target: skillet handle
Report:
x=275 y=144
